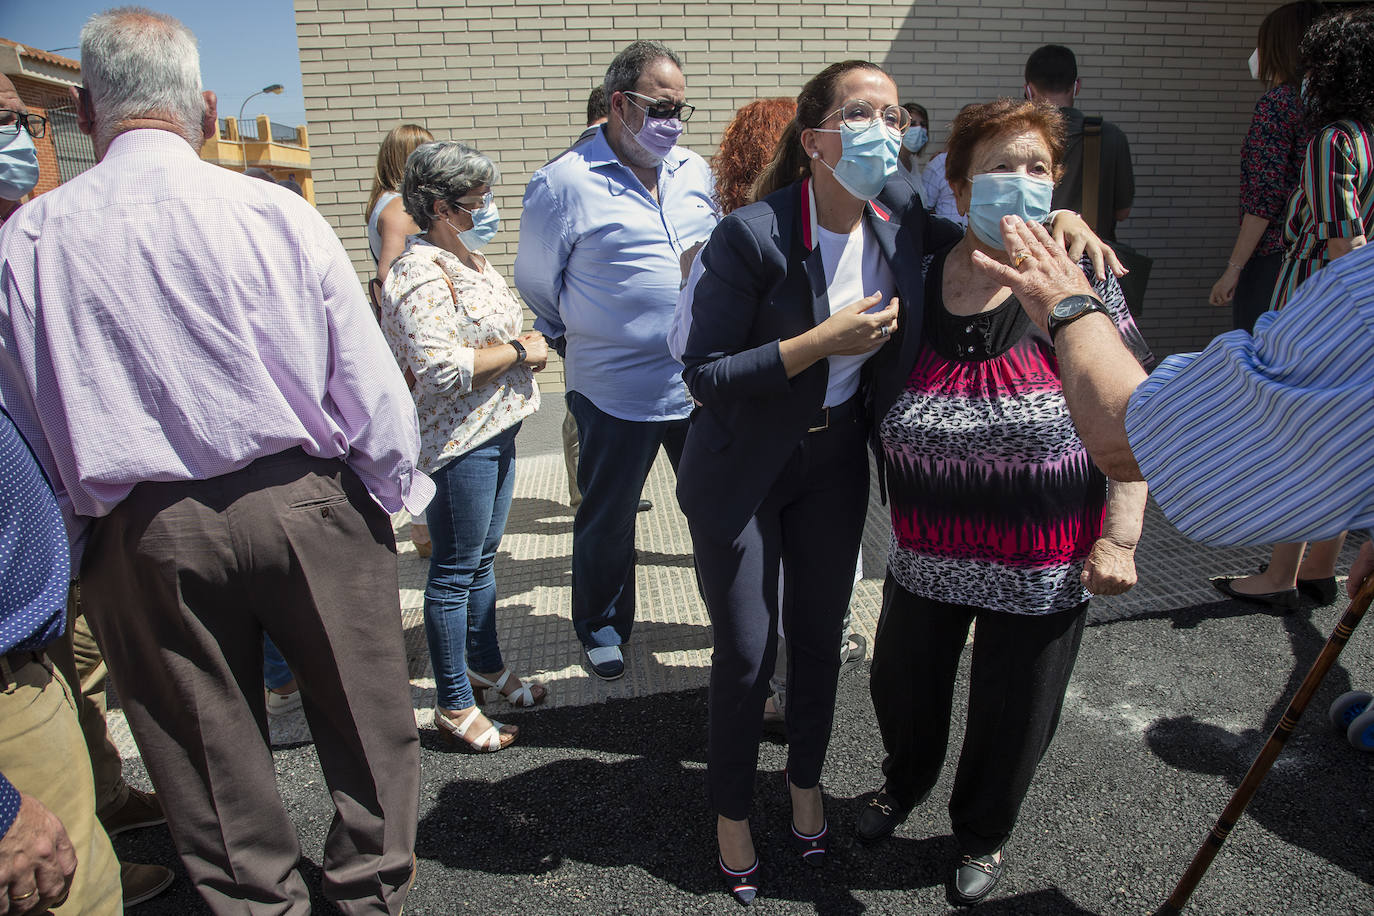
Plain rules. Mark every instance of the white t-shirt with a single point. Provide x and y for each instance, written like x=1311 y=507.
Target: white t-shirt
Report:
x=854 y=268
x=374 y=235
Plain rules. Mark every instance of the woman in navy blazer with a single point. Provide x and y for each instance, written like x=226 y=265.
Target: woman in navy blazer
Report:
x=796 y=291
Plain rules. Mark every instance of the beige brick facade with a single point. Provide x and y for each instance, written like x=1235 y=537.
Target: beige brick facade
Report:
x=512 y=77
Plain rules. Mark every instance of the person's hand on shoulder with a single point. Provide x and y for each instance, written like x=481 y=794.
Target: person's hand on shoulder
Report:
x=37 y=860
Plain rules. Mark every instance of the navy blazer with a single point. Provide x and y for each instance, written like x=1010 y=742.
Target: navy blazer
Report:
x=763 y=282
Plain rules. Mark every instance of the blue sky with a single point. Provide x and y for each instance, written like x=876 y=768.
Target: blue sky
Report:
x=244 y=44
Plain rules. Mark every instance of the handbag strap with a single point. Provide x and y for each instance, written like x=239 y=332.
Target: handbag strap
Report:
x=1092 y=169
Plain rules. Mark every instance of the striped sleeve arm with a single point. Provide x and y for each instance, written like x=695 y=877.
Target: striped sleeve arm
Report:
x=1264 y=439
x=1333 y=176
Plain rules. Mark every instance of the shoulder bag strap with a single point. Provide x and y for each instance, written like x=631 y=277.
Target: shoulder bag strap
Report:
x=1092 y=171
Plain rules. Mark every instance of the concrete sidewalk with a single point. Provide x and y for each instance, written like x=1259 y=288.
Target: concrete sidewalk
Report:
x=599 y=808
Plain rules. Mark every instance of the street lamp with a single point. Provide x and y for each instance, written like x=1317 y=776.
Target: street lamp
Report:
x=274 y=89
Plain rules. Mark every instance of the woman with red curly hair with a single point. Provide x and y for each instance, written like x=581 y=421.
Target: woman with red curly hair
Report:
x=746 y=147
x=998 y=514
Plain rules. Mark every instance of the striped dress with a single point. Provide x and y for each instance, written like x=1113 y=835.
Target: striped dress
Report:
x=1334 y=199
x=995 y=501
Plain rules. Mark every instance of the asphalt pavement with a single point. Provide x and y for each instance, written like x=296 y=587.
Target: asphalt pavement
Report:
x=599 y=808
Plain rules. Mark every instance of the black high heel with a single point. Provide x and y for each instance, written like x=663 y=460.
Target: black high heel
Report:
x=811 y=848
x=742 y=885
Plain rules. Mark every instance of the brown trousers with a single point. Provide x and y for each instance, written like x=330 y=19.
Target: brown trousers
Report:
x=180 y=581
x=78 y=659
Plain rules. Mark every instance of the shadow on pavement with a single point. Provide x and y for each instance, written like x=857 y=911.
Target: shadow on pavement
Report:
x=1291 y=800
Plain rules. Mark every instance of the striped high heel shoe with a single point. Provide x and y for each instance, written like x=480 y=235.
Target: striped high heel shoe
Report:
x=742 y=885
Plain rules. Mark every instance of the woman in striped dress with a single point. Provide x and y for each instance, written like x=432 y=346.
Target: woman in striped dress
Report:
x=1330 y=214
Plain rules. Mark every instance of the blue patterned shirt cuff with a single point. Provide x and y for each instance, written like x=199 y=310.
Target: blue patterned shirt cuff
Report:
x=9 y=805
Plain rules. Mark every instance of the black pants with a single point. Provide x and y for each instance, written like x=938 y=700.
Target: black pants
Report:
x=811 y=522
x=1021 y=668
x=1255 y=289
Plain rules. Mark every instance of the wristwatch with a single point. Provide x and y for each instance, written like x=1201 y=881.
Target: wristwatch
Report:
x=520 y=353
x=1072 y=308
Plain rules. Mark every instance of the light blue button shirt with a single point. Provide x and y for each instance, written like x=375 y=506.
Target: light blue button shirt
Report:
x=598 y=264
x=1266 y=438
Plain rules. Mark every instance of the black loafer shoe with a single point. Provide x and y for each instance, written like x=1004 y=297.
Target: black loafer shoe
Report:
x=1285 y=600
x=1322 y=591
x=882 y=815
x=975 y=878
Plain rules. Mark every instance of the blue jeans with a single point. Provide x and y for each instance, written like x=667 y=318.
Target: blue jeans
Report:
x=614 y=459
x=275 y=673
x=466 y=520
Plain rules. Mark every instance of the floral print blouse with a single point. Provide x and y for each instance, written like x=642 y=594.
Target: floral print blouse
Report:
x=1270 y=161
x=434 y=330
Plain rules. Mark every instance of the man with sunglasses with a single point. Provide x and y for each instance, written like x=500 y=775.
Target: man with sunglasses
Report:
x=18 y=157
x=604 y=226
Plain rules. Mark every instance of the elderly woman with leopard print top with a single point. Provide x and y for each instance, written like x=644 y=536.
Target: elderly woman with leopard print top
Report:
x=998 y=514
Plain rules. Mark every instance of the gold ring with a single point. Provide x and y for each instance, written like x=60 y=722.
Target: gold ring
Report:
x=1020 y=257
x=24 y=896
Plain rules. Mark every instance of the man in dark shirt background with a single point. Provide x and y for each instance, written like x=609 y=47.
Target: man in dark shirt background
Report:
x=1052 y=76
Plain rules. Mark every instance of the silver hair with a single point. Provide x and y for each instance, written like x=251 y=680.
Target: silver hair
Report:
x=624 y=72
x=136 y=63
x=442 y=170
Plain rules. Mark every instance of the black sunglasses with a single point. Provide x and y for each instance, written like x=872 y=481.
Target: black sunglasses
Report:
x=658 y=108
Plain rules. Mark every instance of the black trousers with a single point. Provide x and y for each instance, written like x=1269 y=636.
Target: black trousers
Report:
x=1021 y=668
x=811 y=522
x=1255 y=289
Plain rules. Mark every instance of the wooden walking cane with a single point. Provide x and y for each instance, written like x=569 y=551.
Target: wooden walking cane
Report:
x=1260 y=768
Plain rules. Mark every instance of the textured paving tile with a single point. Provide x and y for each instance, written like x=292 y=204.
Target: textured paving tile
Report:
x=671 y=646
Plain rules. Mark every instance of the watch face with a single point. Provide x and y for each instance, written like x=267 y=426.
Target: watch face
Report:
x=1069 y=306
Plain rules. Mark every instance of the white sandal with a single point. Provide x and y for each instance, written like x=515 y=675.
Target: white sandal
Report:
x=486 y=743
x=523 y=698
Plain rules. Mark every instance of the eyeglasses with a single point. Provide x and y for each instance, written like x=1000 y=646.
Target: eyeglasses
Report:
x=858 y=114
x=662 y=108
x=486 y=202
x=10 y=120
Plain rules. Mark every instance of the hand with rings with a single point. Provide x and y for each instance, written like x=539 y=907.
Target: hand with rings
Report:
x=1020 y=258
x=855 y=330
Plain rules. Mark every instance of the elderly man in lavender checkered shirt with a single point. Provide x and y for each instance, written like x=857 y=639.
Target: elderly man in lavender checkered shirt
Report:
x=190 y=354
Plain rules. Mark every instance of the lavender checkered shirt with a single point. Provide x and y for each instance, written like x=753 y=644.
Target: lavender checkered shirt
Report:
x=162 y=318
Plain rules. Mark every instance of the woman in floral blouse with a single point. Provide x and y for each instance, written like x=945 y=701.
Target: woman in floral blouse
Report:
x=451 y=320
x=1270 y=161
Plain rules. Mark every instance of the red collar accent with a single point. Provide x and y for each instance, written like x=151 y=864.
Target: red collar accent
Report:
x=808 y=215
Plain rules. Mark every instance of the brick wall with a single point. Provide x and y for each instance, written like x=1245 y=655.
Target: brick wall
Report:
x=39 y=97
x=512 y=77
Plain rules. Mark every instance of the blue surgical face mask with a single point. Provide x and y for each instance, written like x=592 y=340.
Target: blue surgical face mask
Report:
x=915 y=138
x=18 y=165
x=999 y=194
x=867 y=160
x=485 y=221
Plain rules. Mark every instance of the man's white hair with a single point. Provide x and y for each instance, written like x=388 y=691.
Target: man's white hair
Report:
x=137 y=63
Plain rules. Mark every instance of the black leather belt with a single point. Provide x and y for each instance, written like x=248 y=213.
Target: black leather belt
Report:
x=833 y=416
x=11 y=662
